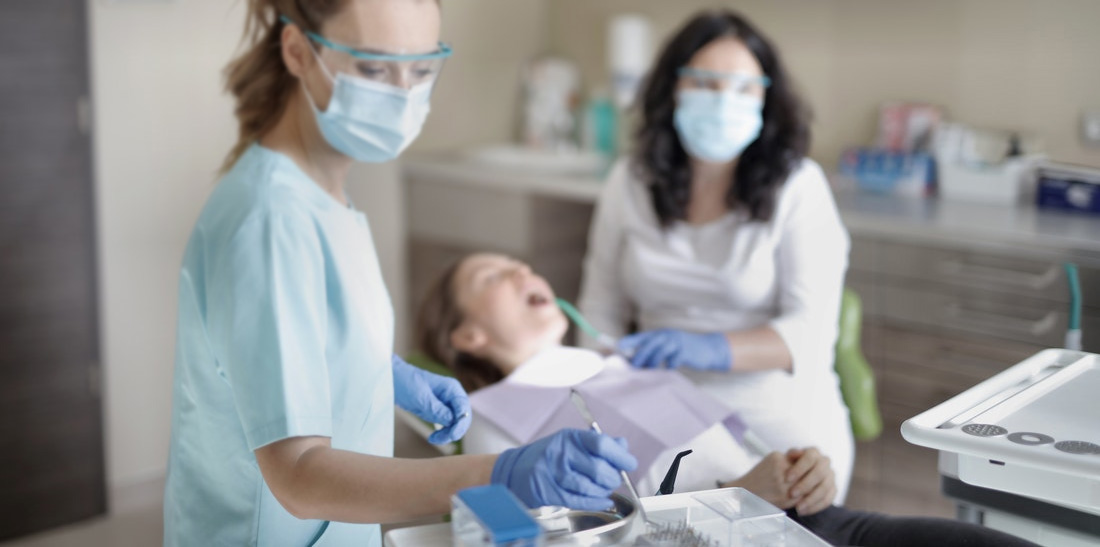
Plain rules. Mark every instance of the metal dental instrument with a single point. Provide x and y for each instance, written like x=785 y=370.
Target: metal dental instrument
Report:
x=582 y=407
x=680 y=534
x=456 y=420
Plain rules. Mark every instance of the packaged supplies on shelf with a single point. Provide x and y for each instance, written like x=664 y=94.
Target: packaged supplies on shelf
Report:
x=907 y=127
x=962 y=144
x=1068 y=187
x=1002 y=184
x=985 y=166
x=885 y=171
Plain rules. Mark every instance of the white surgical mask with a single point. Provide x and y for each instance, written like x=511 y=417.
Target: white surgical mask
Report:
x=371 y=121
x=716 y=126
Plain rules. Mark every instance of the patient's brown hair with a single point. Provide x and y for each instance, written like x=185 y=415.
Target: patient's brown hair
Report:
x=439 y=316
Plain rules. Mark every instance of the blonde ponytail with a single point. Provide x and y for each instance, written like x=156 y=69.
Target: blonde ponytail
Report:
x=258 y=78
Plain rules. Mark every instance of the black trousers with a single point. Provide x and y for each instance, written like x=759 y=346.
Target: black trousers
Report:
x=840 y=526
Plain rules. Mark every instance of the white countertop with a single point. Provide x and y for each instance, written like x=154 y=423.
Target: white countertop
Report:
x=915 y=220
x=962 y=223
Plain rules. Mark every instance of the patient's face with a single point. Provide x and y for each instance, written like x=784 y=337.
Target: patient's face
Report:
x=508 y=305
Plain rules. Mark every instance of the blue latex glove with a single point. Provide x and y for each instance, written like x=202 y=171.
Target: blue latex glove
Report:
x=433 y=398
x=574 y=468
x=668 y=348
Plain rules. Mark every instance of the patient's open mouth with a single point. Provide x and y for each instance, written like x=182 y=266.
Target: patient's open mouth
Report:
x=537 y=300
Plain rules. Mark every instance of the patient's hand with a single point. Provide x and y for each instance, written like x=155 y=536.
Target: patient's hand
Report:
x=800 y=478
x=768 y=479
x=812 y=479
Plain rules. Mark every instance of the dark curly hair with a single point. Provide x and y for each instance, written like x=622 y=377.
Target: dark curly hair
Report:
x=660 y=160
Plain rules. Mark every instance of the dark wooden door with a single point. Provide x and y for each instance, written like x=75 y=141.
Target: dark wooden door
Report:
x=51 y=434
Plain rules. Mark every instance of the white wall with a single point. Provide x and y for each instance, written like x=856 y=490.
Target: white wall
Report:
x=163 y=125
x=476 y=99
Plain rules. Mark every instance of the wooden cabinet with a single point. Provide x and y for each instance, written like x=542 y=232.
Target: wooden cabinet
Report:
x=938 y=320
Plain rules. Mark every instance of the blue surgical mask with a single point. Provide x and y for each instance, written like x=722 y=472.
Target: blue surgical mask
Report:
x=716 y=126
x=371 y=121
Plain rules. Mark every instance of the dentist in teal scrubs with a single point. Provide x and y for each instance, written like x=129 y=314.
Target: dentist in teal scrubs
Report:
x=285 y=378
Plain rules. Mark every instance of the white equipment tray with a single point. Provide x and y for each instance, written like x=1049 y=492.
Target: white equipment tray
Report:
x=729 y=516
x=1032 y=430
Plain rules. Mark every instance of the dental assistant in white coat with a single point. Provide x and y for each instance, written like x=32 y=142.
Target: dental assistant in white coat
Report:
x=285 y=378
x=721 y=242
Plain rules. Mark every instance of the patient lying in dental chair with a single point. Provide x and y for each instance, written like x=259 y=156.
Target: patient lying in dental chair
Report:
x=495 y=324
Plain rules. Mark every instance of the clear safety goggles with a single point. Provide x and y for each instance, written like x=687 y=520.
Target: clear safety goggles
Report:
x=738 y=82
x=399 y=70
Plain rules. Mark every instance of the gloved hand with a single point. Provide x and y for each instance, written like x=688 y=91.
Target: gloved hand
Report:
x=668 y=348
x=433 y=398
x=574 y=468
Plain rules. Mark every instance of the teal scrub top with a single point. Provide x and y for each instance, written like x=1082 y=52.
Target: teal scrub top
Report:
x=285 y=329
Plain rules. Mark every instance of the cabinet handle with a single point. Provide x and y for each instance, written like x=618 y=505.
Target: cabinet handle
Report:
x=996 y=322
x=95 y=379
x=84 y=115
x=988 y=275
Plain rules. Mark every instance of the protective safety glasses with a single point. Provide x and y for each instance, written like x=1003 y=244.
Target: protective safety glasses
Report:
x=399 y=70
x=745 y=84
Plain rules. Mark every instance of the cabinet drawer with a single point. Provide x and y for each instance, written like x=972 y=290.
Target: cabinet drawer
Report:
x=920 y=370
x=988 y=271
x=977 y=312
x=910 y=479
x=910 y=467
x=921 y=388
x=971 y=357
x=863 y=285
x=862 y=256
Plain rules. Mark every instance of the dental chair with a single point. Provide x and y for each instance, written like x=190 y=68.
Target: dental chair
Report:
x=857 y=381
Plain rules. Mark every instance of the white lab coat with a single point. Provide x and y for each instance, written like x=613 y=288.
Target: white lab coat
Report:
x=716 y=453
x=736 y=274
